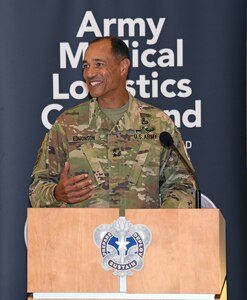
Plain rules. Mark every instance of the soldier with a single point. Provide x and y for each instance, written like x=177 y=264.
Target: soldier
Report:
x=106 y=152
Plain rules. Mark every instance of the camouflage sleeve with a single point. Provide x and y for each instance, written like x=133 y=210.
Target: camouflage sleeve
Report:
x=47 y=169
x=177 y=186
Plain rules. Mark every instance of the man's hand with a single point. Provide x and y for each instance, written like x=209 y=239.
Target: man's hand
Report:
x=74 y=189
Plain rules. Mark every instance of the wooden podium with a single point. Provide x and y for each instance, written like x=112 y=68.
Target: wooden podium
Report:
x=186 y=258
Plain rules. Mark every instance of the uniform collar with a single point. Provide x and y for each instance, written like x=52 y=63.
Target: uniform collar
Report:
x=131 y=118
x=130 y=121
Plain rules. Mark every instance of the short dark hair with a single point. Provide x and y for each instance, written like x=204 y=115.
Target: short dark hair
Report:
x=119 y=48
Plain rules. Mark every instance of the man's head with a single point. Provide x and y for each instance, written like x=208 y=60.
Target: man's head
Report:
x=106 y=64
x=119 y=48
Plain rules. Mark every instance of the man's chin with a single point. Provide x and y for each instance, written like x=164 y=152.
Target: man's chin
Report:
x=94 y=94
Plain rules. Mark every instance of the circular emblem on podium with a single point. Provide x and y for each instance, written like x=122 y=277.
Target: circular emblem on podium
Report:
x=122 y=246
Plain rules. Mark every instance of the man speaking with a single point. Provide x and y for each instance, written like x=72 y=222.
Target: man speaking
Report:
x=106 y=152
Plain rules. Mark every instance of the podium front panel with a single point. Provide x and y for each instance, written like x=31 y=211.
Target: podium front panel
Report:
x=187 y=252
x=186 y=255
x=62 y=256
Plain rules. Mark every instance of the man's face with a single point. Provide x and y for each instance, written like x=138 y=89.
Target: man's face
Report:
x=102 y=70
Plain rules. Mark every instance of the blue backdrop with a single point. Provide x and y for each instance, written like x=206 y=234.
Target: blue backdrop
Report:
x=188 y=59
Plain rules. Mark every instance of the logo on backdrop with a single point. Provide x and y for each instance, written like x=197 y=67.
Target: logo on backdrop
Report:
x=143 y=36
x=122 y=246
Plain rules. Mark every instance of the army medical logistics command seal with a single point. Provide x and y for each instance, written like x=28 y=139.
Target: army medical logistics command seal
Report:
x=122 y=246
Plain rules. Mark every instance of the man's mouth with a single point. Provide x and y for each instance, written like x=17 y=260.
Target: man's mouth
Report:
x=95 y=83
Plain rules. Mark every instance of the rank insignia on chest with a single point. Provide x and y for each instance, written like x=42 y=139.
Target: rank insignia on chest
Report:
x=115 y=154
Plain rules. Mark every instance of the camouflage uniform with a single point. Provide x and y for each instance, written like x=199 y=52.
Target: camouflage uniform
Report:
x=125 y=161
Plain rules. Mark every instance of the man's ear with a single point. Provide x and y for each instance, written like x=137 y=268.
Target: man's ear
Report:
x=125 y=65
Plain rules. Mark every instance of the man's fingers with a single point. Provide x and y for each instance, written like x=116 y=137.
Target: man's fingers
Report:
x=65 y=172
x=73 y=189
x=77 y=186
x=80 y=195
x=76 y=179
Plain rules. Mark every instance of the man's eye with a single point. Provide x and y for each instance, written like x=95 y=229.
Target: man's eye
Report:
x=85 y=66
x=99 y=65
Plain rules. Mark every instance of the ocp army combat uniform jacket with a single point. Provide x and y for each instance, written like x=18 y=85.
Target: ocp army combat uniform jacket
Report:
x=126 y=162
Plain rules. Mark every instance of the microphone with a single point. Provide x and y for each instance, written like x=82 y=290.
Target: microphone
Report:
x=167 y=140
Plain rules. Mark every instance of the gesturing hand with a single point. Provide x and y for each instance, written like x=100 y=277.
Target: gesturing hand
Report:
x=74 y=189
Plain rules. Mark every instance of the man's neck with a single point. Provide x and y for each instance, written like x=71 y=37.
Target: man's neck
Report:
x=115 y=101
